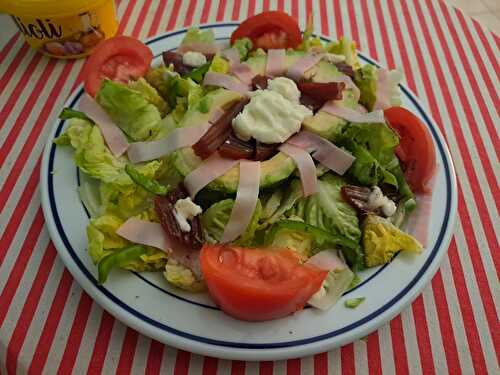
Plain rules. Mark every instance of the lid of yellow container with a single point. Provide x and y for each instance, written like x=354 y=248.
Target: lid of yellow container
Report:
x=48 y=8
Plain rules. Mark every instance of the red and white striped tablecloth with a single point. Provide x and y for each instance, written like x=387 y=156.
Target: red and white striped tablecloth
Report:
x=49 y=325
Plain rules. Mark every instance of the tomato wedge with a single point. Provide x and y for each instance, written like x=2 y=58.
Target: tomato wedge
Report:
x=415 y=151
x=258 y=284
x=120 y=58
x=273 y=29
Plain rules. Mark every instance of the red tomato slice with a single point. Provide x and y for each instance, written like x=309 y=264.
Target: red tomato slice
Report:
x=268 y=30
x=255 y=284
x=416 y=150
x=120 y=58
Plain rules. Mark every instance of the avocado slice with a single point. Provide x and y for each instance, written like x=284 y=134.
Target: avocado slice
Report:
x=322 y=123
x=272 y=171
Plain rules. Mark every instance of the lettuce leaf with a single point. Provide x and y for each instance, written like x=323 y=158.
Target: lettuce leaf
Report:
x=215 y=218
x=243 y=45
x=373 y=146
x=195 y=35
x=150 y=93
x=366 y=79
x=130 y=109
x=219 y=65
x=382 y=240
x=328 y=211
x=346 y=47
x=304 y=238
x=102 y=239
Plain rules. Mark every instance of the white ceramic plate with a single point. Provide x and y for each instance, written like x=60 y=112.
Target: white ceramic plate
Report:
x=192 y=322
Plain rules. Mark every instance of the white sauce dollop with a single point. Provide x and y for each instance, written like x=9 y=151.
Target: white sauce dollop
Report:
x=273 y=115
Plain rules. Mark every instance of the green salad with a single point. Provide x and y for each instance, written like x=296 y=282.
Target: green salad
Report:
x=244 y=171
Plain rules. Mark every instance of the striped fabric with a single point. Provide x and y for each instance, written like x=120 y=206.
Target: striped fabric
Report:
x=48 y=325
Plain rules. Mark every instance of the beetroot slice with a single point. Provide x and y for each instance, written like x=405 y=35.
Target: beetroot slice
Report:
x=164 y=207
x=218 y=132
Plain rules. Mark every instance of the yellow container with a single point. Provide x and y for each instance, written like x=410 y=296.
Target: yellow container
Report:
x=64 y=29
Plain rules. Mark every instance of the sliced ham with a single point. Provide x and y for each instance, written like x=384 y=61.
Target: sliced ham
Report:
x=113 y=135
x=205 y=48
x=178 y=138
x=226 y=81
x=297 y=70
x=352 y=115
x=232 y=55
x=243 y=72
x=327 y=260
x=418 y=222
x=145 y=233
x=305 y=165
x=209 y=170
x=246 y=200
x=387 y=81
x=324 y=151
x=275 y=63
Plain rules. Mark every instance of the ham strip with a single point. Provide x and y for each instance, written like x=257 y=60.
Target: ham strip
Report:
x=152 y=234
x=145 y=233
x=352 y=115
x=178 y=138
x=297 y=70
x=232 y=55
x=306 y=167
x=113 y=135
x=246 y=200
x=275 y=64
x=243 y=72
x=324 y=151
x=386 y=84
x=205 y=48
x=206 y=172
x=226 y=81
x=418 y=222
x=327 y=260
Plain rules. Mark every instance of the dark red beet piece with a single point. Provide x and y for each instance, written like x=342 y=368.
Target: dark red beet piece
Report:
x=345 y=68
x=259 y=82
x=174 y=58
x=264 y=151
x=218 y=132
x=311 y=103
x=357 y=196
x=322 y=91
x=235 y=148
x=164 y=207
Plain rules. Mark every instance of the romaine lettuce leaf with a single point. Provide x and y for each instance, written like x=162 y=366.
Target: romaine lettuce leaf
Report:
x=328 y=211
x=366 y=79
x=195 y=35
x=304 y=238
x=102 y=239
x=219 y=65
x=182 y=277
x=130 y=109
x=215 y=218
x=150 y=93
x=243 y=45
x=373 y=146
x=92 y=155
x=382 y=240
x=347 y=47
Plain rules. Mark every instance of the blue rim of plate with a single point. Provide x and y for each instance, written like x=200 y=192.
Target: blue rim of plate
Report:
x=285 y=344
